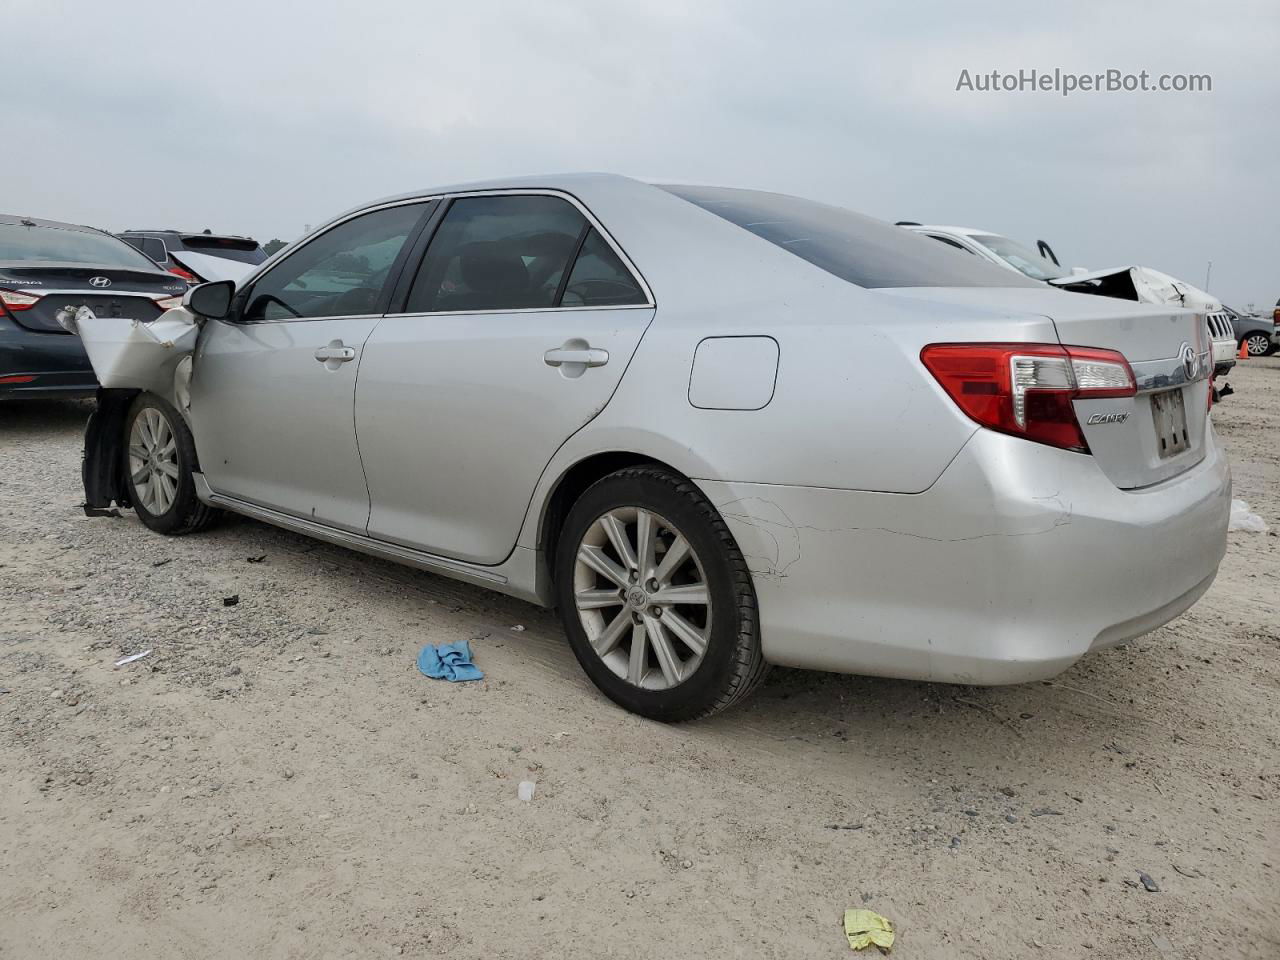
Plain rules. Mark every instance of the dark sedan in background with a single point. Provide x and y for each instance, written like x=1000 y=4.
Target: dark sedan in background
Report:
x=49 y=268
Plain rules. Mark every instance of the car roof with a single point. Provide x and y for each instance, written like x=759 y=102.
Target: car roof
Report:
x=56 y=224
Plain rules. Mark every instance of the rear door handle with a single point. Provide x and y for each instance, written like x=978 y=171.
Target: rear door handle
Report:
x=586 y=356
x=335 y=354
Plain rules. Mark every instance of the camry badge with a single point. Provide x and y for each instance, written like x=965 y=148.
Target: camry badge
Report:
x=1108 y=418
x=99 y=281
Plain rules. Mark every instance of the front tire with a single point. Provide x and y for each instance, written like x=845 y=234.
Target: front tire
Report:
x=1257 y=344
x=159 y=457
x=656 y=598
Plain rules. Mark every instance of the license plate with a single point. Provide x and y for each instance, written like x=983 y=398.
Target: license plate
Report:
x=1169 y=411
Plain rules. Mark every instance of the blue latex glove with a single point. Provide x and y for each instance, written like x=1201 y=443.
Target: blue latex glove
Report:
x=449 y=661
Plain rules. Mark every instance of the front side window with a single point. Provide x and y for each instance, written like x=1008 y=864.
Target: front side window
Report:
x=341 y=273
x=498 y=253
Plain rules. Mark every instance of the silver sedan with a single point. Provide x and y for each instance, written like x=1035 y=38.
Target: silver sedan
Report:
x=718 y=429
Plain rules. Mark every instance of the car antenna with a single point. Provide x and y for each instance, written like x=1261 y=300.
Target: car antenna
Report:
x=26 y=222
x=906 y=223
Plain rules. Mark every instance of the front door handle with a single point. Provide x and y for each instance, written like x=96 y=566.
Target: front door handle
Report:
x=335 y=354
x=584 y=356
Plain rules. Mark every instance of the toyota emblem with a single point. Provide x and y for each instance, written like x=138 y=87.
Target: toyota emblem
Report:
x=99 y=281
x=1190 y=362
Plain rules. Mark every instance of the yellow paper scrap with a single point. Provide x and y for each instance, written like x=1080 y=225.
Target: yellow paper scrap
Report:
x=866 y=927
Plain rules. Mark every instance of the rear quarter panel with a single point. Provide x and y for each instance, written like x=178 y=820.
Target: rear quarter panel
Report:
x=853 y=408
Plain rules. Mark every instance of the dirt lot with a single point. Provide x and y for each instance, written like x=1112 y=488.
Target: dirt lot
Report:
x=276 y=779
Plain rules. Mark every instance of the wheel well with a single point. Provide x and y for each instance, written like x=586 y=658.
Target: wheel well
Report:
x=573 y=484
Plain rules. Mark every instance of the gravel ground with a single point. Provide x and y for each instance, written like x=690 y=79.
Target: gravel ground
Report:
x=276 y=780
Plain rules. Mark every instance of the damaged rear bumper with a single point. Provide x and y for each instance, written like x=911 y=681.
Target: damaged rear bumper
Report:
x=1017 y=562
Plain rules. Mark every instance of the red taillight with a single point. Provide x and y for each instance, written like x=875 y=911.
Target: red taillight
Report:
x=18 y=378
x=1027 y=389
x=15 y=301
x=186 y=275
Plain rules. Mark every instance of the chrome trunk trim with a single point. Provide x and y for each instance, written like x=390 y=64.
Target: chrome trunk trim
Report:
x=1153 y=375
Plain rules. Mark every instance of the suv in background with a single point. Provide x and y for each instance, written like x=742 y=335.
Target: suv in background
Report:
x=160 y=245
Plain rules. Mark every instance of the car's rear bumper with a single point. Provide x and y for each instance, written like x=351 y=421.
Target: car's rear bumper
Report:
x=42 y=365
x=1019 y=560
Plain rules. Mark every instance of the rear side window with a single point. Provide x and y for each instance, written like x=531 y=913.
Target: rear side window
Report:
x=498 y=253
x=153 y=247
x=340 y=273
x=599 y=278
x=861 y=250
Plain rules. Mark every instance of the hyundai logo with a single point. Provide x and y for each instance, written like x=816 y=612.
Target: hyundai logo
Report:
x=99 y=281
x=1190 y=362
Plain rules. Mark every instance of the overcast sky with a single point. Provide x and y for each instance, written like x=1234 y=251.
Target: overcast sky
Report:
x=259 y=118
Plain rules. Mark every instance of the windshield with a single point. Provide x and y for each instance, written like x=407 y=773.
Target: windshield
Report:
x=1015 y=254
x=861 y=250
x=58 y=244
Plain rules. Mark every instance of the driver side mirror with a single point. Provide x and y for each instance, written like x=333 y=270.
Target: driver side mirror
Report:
x=212 y=300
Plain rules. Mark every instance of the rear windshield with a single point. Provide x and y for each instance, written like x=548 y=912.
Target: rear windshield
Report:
x=229 y=248
x=38 y=243
x=862 y=250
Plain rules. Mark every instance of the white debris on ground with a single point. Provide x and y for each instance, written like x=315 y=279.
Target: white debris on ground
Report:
x=1243 y=519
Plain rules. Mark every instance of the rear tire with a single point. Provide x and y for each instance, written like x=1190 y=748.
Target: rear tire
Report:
x=675 y=641
x=159 y=457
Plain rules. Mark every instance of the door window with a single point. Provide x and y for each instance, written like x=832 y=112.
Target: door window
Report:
x=341 y=273
x=498 y=253
x=599 y=278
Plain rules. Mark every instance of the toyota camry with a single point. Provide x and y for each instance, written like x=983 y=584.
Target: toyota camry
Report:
x=718 y=429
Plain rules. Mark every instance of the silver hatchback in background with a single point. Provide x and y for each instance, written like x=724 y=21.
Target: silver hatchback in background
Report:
x=718 y=429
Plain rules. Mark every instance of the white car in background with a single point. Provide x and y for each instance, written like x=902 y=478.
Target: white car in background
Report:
x=1142 y=284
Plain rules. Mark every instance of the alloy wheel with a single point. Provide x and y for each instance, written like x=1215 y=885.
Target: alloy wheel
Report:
x=153 y=461
x=1257 y=344
x=642 y=597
